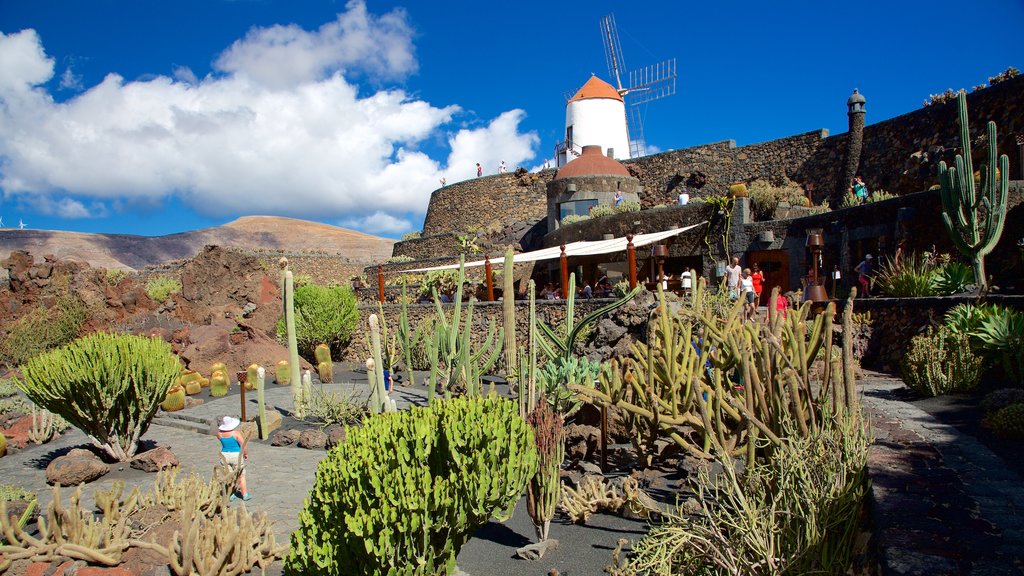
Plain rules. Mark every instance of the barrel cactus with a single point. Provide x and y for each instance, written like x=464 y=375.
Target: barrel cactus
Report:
x=219 y=384
x=1007 y=422
x=175 y=399
x=283 y=373
x=324 y=365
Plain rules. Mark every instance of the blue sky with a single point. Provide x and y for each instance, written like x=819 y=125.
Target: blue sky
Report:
x=153 y=117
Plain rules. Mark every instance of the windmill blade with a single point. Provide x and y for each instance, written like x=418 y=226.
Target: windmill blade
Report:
x=612 y=49
x=652 y=82
x=635 y=129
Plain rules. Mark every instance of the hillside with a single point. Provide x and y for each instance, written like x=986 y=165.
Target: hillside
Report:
x=248 y=233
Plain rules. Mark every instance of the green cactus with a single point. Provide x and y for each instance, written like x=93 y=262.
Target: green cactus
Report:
x=324 y=365
x=293 y=344
x=193 y=387
x=413 y=487
x=545 y=488
x=1007 y=422
x=409 y=339
x=974 y=223
x=557 y=345
x=283 y=373
x=307 y=389
x=219 y=384
x=508 y=309
x=527 y=389
x=322 y=353
x=219 y=366
x=175 y=399
x=260 y=379
x=379 y=401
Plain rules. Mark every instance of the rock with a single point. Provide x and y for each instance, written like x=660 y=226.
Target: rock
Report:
x=285 y=438
x=313 y=439
x=16 y=508
x=590 y=469
x=335 y=435
x=248 y=430
x=155 y=460
x=571 y=478
x=17 y=433
x=608 y=333
x=536 y=551
x=191 y=402
x=75 y=467
x=248 y=309
x=581 y=441
x=273 y=423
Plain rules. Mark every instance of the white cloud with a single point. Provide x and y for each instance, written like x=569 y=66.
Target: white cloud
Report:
x=231 y=144
x=70 y=81
x=282 y=56
x=379 y=222
x=64 y=207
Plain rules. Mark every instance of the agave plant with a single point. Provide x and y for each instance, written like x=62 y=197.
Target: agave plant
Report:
x=953 y=278
x=1002 y=334
x=912 y=276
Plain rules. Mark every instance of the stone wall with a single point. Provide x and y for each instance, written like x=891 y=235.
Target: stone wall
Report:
x=900 y=155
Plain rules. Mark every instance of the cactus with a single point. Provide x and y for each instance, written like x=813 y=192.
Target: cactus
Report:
x=293 y=344
x=545 y=488
x=283 y=373
x=261 y=405
x=324 y=365
x=527 y=389
x=974 y=224
x=219 y=366
x=408 y=337
x=508 y=308
x=189 y=376
x=194 y=387
x=307 y=390
x=561 y=345
x=3 y=451
x=175 y=399
x=219 y=384
x=375 y=371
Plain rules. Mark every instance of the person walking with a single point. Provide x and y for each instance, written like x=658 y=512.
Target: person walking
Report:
x=747 y=291
x=758 y=279
x=863 y=271
x=234 y=451
x=732 y=277
x=502 y=168
x=479 y=170
x=860 y=190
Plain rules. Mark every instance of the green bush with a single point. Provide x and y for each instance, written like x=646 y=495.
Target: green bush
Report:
x=1001 y=334
x=999 y=399
x=913 y=276
x=42 y=329
x=323 y=314
x=765 y=197
x=555 y=378
x=411 y=236
x=574 y=218
x=602 y=210
x=8 y=387
x=941 y=361
x=628 y=206
x=109 y=386
x=160 y=288
x=953 y=278
x=405 y=492
x=399 y=259
x=114 y=276
x=967 y=318
x=1007 y=422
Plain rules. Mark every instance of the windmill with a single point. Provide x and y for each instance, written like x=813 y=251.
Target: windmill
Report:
x=643 y=84
x=21 y=224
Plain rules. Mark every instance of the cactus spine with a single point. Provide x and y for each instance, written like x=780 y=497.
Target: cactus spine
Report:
x=293 y=344
x=974 y=224
x=324 y=365
x=283 y=373
x=219 y=384
x=508 y=308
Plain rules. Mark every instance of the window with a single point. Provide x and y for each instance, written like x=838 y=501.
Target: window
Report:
x=575 y=208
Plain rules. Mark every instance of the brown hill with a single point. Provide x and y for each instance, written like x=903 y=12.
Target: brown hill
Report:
x=248 y=233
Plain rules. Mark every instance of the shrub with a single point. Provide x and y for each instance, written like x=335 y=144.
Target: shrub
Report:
x=967 y=318
x=399 y=259
x=109 y=386
x=574 y=218
x=558 y=375
x=796 y=513
x=444 y=281
x=912 y=276
x=8 y=387
x=879 y=195
x=765 y=197
x=941 y=361
x=1001 y=335
x=1007 y=422
x=114 y=276
x=43 y=329
x=411 y=236
x=602 y=210
x=324 y=314
x=160 y=288
x=953 y=278
x=404 y=493
x=999 y=399
x=628 y=206
x=328 y=408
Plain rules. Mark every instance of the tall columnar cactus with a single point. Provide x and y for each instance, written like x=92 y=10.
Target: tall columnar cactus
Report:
x=508 y=308
x=261 y=404
x=545 y=488
x=528 y=366
x=974 y=222
x=307 y=390
x=324 y=364
x=293 y=343
x=409 y=338
x=379 y=401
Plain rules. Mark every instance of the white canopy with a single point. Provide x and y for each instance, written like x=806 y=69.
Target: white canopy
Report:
x=583 y=248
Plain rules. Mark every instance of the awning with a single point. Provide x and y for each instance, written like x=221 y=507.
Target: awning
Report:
x=583 y=248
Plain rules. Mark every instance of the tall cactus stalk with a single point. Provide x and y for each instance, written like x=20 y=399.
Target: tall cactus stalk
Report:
x=261 y=406
x=407 y=336
x=379 y=401
x=508 y=308
x=974 y=222
x=545 y=488
x=293 y=343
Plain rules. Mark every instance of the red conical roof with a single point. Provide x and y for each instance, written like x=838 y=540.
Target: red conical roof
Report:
x=592 y=163
x=596 y=88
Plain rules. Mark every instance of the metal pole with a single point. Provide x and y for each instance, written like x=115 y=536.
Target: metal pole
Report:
x=565 y=273
x=241 y=386
x=490 y=278
x=604 y=438
x=380 y=282
x=631 y=259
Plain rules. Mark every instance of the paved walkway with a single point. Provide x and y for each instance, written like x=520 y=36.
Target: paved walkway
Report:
x=942 y=502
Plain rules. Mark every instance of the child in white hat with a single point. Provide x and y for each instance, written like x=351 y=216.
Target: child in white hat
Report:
x=234 y=451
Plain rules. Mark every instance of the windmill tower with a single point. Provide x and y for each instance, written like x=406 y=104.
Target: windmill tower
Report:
x=611 y=116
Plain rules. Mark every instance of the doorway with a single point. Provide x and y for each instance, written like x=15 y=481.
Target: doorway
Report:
x=775 y=267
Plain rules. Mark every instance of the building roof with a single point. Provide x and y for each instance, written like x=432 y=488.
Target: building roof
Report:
x=592 y=162
x=596 y=88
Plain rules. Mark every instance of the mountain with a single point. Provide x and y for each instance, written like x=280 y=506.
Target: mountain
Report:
x=127 y=251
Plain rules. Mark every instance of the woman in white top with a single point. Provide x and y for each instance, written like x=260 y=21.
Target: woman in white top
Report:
x=748 y=294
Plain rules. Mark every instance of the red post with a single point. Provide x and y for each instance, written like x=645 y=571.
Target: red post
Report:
x=631 y=259
x=241 y=386
x=380 y=282
x=565 y=273
x=490 y=278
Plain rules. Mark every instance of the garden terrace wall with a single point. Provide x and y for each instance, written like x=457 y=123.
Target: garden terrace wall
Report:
x=881 y=342
x=491 y=202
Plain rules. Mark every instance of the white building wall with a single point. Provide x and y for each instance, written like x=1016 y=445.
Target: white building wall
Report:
x=598 y=121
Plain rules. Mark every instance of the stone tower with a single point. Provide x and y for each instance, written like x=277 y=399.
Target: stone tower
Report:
x=854 y=142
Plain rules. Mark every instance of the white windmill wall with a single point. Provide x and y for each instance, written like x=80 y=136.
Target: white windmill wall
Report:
x=600 y=122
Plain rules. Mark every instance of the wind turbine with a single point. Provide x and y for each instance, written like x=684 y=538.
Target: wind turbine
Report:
x=1 y=221
x=644 y=84
x=21 y=224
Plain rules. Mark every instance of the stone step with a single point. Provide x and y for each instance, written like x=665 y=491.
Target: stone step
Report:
x=184 y=422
